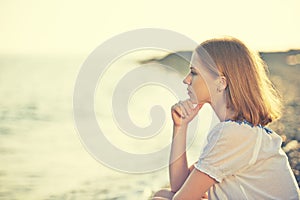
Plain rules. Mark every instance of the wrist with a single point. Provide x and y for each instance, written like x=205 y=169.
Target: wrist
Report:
x=180 y=129
x=180 y=126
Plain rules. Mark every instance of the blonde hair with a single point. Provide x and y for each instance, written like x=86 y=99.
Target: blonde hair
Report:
x=249 y=92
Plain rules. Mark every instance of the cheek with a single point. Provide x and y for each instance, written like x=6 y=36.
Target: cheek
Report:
x=201 y=89
x=201 y=84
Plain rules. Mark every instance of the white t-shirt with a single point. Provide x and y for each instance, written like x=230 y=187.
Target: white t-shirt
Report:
x=247 y=162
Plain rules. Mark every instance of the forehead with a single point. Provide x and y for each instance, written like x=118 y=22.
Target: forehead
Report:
x=198 y=65
x=195 y=61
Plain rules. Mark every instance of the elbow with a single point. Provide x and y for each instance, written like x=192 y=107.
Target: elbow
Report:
x=175 y=186
x=174 y=189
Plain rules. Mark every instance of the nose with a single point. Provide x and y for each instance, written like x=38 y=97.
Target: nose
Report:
x=187 y=79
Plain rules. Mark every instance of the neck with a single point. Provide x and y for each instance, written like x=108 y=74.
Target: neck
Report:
x=220 y=108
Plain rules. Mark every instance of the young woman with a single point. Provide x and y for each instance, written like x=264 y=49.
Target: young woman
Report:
x=242 y=159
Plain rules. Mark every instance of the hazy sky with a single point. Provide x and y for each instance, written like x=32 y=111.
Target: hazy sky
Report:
x=77 y=27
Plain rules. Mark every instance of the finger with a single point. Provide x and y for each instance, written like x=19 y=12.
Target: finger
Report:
x=188 y=107
x=175 y=106
x=190 y=104
x=198 y=107
x=183 y=108
x=178 y=111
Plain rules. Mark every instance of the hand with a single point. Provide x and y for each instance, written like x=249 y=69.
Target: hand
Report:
x=184 y=111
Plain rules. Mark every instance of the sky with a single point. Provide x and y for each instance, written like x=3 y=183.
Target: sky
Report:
x=78 y=27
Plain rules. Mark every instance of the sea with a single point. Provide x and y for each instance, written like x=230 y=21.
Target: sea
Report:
x=43 y=151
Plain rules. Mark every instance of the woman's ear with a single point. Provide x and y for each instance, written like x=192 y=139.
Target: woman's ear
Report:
x=222 y=83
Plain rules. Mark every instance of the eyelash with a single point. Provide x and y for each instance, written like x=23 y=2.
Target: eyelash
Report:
x=193 y=73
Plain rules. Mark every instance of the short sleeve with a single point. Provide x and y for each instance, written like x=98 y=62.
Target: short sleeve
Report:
x=230 y=148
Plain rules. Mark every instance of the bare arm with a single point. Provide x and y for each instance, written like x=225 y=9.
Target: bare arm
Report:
x=178 y=168
x=195 y=186
x=182 y=114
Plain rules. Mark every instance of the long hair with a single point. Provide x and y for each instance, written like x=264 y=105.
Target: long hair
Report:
x=249 y=92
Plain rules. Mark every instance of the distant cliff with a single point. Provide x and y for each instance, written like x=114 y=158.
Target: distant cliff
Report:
x=180 y=60
x=287 y=58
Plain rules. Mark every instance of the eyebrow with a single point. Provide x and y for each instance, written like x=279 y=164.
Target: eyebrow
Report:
x=192 y=68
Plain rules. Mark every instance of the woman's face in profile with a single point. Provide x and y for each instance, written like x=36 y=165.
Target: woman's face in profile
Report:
x=198 y=81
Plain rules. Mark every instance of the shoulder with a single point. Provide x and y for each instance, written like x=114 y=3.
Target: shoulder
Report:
x=230 y=147
x=231 y=136
x=233 y=131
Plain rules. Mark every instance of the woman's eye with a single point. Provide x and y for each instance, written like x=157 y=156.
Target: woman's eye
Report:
x=193 y=73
